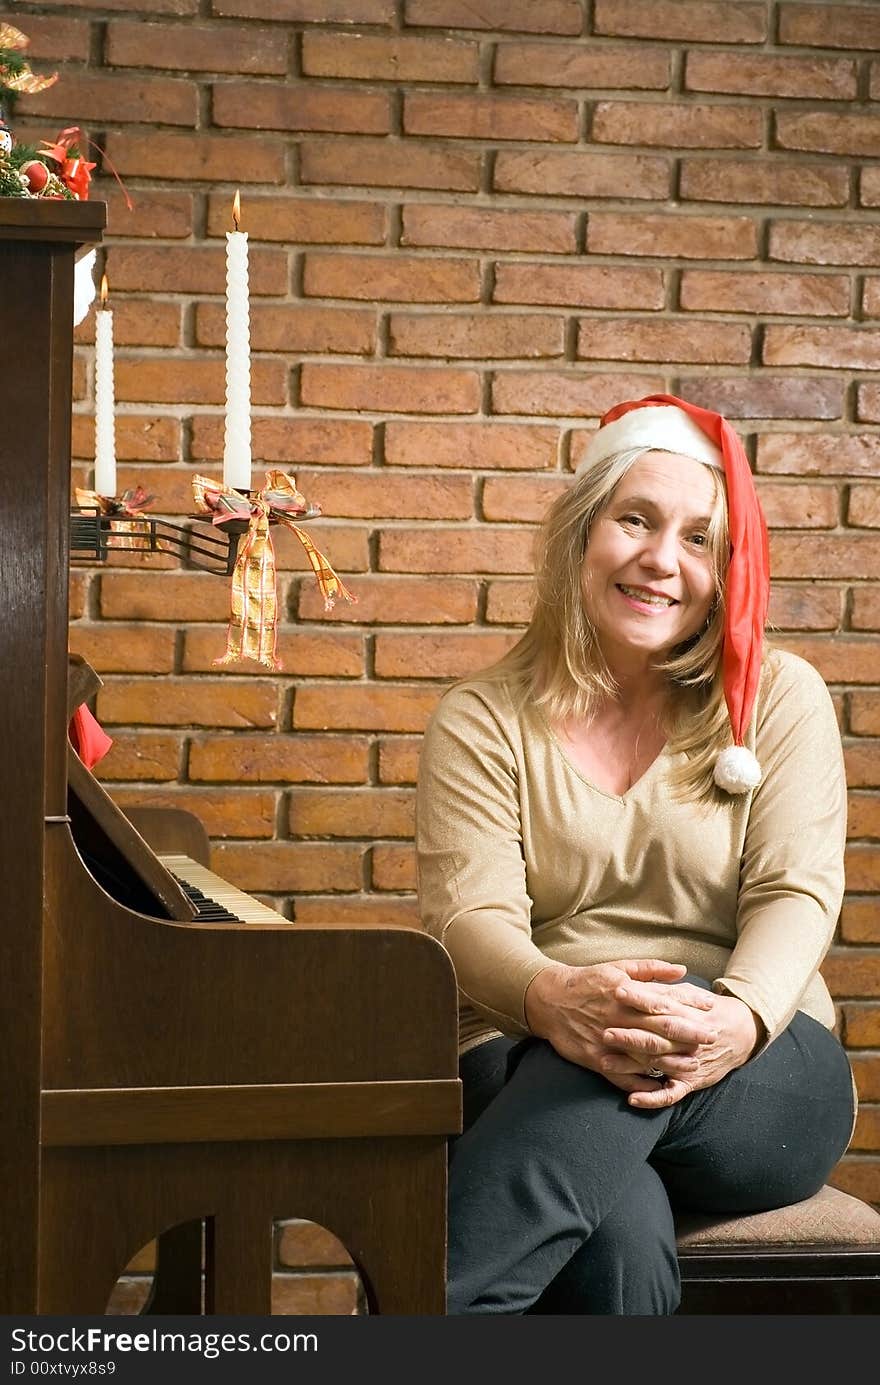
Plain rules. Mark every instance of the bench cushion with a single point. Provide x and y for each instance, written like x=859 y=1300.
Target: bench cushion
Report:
x=830 y=1218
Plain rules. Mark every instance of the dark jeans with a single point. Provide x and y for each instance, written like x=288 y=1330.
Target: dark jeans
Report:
x=561 y=1195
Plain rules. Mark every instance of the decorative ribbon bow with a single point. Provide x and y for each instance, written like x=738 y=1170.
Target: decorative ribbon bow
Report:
x=74 y=171
x=126 y=528
x=253 y=625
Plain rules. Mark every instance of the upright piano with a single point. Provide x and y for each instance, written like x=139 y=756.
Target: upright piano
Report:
x=161 y=1067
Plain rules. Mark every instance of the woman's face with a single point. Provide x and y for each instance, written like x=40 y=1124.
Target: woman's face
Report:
x=647 y=576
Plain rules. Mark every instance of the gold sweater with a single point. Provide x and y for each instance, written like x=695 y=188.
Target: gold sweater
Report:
x=522 y=860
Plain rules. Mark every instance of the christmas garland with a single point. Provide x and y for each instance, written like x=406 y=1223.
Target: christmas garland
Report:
x=56 y=170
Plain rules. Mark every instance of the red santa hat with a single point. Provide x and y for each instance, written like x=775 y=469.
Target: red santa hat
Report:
x=662 y=422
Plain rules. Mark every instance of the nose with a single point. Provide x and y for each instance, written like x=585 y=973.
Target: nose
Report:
x=660 y=552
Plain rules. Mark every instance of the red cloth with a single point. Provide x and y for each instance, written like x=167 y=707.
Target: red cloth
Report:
x=88 y=739
x=747 y=591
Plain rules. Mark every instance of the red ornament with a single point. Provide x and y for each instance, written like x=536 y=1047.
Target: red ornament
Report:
x=37 y=175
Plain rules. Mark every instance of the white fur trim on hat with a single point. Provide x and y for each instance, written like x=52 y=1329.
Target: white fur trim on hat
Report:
x=661 y=426
x=737 y=770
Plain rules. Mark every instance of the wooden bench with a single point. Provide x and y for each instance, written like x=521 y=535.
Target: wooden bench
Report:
x=818 y=1256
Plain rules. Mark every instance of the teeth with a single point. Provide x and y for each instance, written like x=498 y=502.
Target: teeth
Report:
x=647 y=597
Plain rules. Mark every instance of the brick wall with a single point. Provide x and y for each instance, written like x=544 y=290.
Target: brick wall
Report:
x=473 y=227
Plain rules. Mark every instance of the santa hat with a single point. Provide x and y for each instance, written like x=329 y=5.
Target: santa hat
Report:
x=661 y=422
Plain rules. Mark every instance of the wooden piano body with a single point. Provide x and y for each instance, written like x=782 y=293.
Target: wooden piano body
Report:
x=158 y=1071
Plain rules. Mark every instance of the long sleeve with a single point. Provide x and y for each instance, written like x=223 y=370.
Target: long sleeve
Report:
x=792 y=877
x=471 y=868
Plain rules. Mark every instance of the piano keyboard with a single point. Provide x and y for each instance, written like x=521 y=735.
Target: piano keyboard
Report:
x=216 y=900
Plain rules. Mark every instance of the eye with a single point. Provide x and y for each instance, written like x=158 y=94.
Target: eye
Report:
x=699 y=540
x=634 y=520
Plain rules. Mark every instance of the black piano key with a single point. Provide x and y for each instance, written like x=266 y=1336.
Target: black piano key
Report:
x=209 y=911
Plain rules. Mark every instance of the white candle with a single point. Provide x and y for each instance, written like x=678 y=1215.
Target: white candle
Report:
x=237 y=447
x=105 y=427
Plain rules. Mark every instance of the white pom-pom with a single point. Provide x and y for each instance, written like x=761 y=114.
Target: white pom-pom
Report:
x=83 y=286
x=737 y=770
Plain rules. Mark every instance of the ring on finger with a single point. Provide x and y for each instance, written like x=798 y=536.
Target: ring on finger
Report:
x=656 y=1073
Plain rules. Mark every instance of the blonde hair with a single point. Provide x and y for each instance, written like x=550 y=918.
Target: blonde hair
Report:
x=558 y=664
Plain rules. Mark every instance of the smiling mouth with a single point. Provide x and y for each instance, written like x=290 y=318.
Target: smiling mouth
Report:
x=647 y=598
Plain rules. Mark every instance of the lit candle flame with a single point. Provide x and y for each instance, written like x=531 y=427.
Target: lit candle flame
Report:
x=236 y=210
x=105 y=292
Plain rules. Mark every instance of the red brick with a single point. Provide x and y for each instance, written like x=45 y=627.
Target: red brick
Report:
x=171 y=487
x=347 y=546
x=274 y=106
x=862 y=1025
x=806 y=608
x=183 y=596
x=392 y=389
x=812 y=556
x=850 y=972
x=517 y=498
x=471 y=446
x=51 y=37
x=307 y=1244
x=138 y=322
x=311 y=441
x=296 y=221
x=202 y=269
x=139 y=437
x=489 y=229
x=509 y=602
x=523 y=16
x=868 y=403
x=364 y=813
x=196 y=47
x=871 y=296
x=865 y=613
x=142 y=755
x=558 y=173
x=572 y=394
x=310 y=11
x=364 y=162
x=576 y=65
x=197 y=157
x=390 y=278
x=289 y=866
x=820 y=454
x=308 y=653
x=174 y=702
x=677 y=126
x=124 y=648
x=398 y=759
x=869 y=187
x=358 y=911
x=292 y=327
x=858 y=1177
x=685 y=237
x=455 y=550
x=461 y=115
x=752 y=74
x=77 y=596
x=446 y=655
x=581 y=286
x=233 y=812
x=109 y=97
x=641 y=339
x=279 y=759
x=318 y=1294
x=394 y=59
x=863 y=772
x=839 y=660
x=740 y=181
x=859 y=920
x=827 y=242
x=788 y=506
x=364 y=707
x=716 y=22
x=397 y=601
x=820 y=295
x=829 y=26
x=476 y=335
x=177 y=7
x=864 y=714
x=376 y=495
x=867 y=1131
x=152 y=214
x=864 y=507
x=766 y=396
x=393 y=868
x=827 y=132
x=192 y=380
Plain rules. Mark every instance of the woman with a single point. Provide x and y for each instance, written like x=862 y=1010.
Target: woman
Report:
x=636 y=909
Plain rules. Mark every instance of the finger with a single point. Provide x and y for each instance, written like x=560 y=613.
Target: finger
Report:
x=632 y=1082
x=672 y=1066
x=669 y=1031
x=667 y=1095
x=645 y=1042
x=661 y=1000
x=652 y=969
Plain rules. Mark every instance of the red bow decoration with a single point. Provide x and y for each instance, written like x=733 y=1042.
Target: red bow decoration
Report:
x=74 y=171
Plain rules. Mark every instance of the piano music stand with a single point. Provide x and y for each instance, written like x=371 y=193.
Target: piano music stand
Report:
x=157 y=1072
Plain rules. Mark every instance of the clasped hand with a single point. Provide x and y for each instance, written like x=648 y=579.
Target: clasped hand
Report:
x=620 y=1018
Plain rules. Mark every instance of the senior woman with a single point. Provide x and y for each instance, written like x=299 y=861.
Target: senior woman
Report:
x=630 y=839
